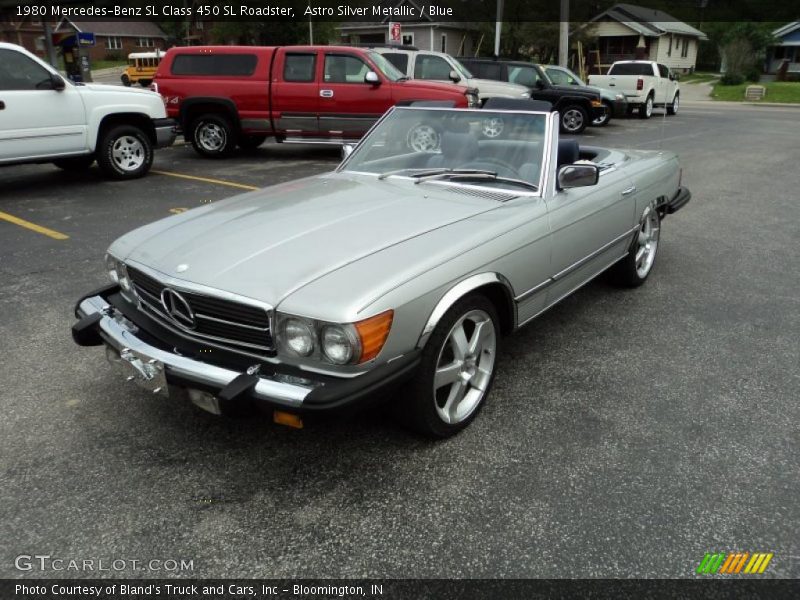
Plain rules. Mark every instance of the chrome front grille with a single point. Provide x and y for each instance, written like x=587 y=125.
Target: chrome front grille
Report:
x=230 y=323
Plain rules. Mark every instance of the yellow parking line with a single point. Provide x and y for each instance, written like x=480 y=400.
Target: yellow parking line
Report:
x=33 y=227
x=207 y=180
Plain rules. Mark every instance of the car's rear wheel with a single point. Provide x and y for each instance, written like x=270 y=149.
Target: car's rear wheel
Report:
x=212 y=136
x=672 y=109
x=126 y=81
x=125 y=152
x=457 y=369
x=251 y=142
x=632 y=271
x=574 y=119
x=646 y=109
x=145 y=82
x=76 y=163
x=603 y=121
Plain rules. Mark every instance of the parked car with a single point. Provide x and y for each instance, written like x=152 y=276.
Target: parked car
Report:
x=577 y=106
x=45 y=118
x=645 y=83
x=141 y=68
x=228 y=95
x=396 y=268
x=438 y=66
x=615 y=102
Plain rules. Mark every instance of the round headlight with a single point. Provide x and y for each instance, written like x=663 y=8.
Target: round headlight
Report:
x=122 y=277
x=298 y=337
x=111 y=266
x=337 y=344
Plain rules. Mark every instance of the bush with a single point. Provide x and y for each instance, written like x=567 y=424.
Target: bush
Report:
x=753 y=75
x=114 y=57
x=731 y=79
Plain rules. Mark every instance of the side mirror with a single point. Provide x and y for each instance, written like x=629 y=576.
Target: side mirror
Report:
x=573 y=176
x=539 y=84
x=372 y=77
x=56 y=82
x=347 y=150
x=454 y=77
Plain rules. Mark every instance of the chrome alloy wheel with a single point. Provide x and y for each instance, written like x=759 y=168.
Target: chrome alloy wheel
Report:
x=647 y=243
x=211 y=137
x=423 y=138
x=572 y=120
x=648 y=107
x=676 y=104
x=464 y=367
x=128 y=153
x=492 y=127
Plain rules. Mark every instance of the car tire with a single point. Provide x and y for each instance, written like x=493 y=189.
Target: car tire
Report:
x=633 y=270
x=606 y=118
x=462 y=349
x=574 y=119
x=212 y=136
x=126 y=81
x=125 y=152
x=646 y=109
x=672 y=109
x=251 y=142
x=75 y=163
x=424 y=137
x=144 y=82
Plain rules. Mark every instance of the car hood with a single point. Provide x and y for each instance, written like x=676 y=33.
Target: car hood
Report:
x=433 y=86
x=578 y=90
x=102 y=87
x=269 y=243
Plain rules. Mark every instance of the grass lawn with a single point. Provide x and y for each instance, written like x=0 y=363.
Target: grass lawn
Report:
x=777 y=91
x=107 y=64
x=698 y=77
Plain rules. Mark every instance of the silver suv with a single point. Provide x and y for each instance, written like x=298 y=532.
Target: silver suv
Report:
x=438 y=66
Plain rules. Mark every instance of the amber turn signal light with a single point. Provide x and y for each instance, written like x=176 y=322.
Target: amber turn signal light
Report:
x=288 y=419
x=373 y=333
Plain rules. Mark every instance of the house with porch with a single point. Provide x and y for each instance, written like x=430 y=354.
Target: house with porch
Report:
x=627 y=31
x=423 y=32
x=785 y=53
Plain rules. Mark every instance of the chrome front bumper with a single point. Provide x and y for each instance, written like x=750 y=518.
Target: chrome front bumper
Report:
x=120 y=334
x=166 y=132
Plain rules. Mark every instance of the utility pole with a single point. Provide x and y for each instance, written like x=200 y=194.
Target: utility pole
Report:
x=498 y=26
x=310 y=32
x=563 y=34
x=48 y=43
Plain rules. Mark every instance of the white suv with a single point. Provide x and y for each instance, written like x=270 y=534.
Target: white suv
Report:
x=438 y=66
x=45 y=118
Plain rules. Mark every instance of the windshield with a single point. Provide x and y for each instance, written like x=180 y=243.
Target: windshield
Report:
x=463 y=71
x=388 y=69
x=464 y=147
x=563 y=76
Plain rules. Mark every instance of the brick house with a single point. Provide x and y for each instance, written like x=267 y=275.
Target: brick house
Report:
x=27 y=32
x=116 y=39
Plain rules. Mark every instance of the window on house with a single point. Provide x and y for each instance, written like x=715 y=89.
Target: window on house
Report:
x=407 y=39
x=443 y=47
x=685 y=48
x=113 y=43
x=669 y=48
x=145 y=42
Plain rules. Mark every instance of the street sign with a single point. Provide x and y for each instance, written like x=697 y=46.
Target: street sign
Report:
x=86 y=38
x=394 y=32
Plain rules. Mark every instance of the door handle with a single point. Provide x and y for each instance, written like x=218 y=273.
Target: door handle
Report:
x=612 y=85
x=629 y=191
x=2 y=105
x=326 y=93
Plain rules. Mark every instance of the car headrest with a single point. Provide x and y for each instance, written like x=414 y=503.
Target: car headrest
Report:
x=459 y=146
x=568 y=152
x=518 y=104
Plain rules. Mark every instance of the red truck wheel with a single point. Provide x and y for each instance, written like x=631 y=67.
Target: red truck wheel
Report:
x=212 y=136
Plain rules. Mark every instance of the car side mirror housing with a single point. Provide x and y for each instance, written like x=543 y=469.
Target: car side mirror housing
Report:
x=57 y=82
x=372 y=77
x=577 y=175
x=454 y=77
x=347 y=150
x=539 y=84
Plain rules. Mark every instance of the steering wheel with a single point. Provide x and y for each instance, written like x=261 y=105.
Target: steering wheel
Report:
x=503 y=168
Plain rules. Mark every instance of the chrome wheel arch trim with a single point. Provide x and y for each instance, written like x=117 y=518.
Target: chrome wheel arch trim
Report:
x=458 y=291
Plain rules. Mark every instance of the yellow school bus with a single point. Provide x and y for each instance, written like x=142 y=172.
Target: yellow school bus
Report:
x=141 y=67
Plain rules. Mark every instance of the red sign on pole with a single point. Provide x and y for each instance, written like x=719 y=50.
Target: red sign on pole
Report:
x=394 y=32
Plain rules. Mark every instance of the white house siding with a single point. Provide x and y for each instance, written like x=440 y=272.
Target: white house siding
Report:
x=660 y=46
x=611 y=29
x=429 y=37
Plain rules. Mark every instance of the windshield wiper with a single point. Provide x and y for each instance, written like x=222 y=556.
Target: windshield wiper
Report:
x=475 y=174
x=422 y=172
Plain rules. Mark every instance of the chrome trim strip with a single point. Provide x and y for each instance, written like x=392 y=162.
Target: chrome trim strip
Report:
x=547 y=282
x=231 y=323
x=119 y=336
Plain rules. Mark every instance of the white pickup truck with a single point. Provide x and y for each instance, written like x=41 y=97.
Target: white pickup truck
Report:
x=645 y=84
x=45 y=118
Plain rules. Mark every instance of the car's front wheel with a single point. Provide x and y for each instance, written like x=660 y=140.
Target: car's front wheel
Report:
x=632 y=271
x=125 y=152
x=457 y=369
x=672 y=109
x=574 y=119
x=212 y=136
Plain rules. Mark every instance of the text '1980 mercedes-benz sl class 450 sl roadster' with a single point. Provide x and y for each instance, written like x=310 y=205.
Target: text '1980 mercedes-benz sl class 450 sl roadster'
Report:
x=395 y=276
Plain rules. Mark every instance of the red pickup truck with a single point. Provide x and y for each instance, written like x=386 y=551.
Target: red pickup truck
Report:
x=228 y=95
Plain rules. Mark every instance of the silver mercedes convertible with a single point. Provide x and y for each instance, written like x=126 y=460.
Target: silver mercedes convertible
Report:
x=394 y=277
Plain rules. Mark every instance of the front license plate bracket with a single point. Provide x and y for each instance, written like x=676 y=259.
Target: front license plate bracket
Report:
x=139 y=368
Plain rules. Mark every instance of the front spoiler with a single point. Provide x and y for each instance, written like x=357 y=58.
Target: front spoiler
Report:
x=101 y=323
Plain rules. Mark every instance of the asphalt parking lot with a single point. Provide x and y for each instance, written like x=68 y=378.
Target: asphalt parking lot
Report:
x=629 y=432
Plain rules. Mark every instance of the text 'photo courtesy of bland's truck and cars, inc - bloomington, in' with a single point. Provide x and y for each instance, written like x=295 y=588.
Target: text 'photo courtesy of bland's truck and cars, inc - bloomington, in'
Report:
x=232 y=10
